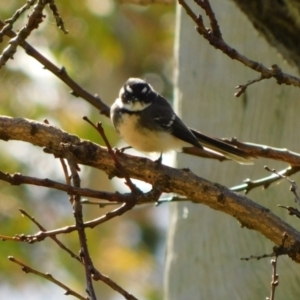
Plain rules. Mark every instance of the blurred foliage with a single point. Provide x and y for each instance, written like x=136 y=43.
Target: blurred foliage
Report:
x=107 y=43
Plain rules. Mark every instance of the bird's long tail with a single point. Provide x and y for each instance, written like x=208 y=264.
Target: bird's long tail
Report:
x=229 y=151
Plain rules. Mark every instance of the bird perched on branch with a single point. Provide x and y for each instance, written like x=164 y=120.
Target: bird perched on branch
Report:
x=147 y=122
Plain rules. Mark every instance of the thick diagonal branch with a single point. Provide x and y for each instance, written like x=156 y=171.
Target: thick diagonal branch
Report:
x=169 y=180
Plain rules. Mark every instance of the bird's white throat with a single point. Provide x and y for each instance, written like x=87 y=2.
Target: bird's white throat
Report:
x=132 y=105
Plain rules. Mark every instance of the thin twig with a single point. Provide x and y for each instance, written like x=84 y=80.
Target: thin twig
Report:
x=79 y=223
x=275 y=278
x=214 y=36
x=54 y=238
x=242 y=87
x=34 y=20
x=62 y=74
x=40 y=236
x=113 y=285
x=293 y=188
x=292 y=210
x=277 y=250
x=47 y=276
x=9 y=22
x=118 y=165
x=266 y=151
x=59 y=21
x=265 y=182
x=18 y=179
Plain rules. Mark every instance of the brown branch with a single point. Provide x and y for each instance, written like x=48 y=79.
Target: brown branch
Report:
x=117 y=198
x=40 y=236
x=275 y=278
x=118 y=165
x=293 y=185
x=18 y=179
x=59 y=21
x=62 y=74
x=292 y=211
x=9 y=22
x=183 y=182
x=79 y=224
x=96 y=274
x=277 y=251
x=47 y=276
x=265 y=182
x=214 y=37
x=34 y=20
x=257 y=150
x=54 y=238
x=113 y=285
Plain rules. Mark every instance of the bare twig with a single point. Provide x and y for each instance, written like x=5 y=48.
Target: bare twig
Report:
x=9 y=22
x=113 y=285
x=62 y=74
x=257 y=257
x=89 y=224
x=292 y=211
x=277 y=251
x=96 y=274
x=91 y=272
x=169 y=180
x=118 y=165
x=265 y=182
x=79 y=223
x=54 y=238
x=214 y=37
x=59 y=21
x=18 y=179
x=34 y=20
x=242 y=87
x=293 y=188
x=257 y=150
x=47 y=276
x=275 y=278
x=65 y=170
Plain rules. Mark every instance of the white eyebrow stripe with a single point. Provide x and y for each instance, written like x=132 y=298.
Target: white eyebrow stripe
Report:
x=144 y=90
x=128 y=89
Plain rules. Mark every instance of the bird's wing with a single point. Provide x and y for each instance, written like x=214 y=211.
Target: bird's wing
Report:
x=166 y=119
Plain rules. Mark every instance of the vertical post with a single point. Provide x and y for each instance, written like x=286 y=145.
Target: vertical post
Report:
x=204 y=247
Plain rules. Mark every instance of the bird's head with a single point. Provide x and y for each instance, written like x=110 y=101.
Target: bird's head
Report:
x=136 y=94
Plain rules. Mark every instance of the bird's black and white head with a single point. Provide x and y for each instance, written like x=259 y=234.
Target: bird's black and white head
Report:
x=135 y=95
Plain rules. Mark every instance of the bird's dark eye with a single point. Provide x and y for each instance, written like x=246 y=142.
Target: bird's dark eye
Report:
x=127 y=98
x=134 y=90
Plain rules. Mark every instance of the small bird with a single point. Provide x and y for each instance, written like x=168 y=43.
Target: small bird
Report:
x=147 y=122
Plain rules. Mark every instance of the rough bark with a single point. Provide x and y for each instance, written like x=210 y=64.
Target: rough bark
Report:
x=278 y=22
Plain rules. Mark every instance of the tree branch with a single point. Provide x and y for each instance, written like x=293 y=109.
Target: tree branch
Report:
x=214 y=37
x=166 y=179
x=281 y=30
x=265 y=182
x=47 y=276
x=62 y=74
